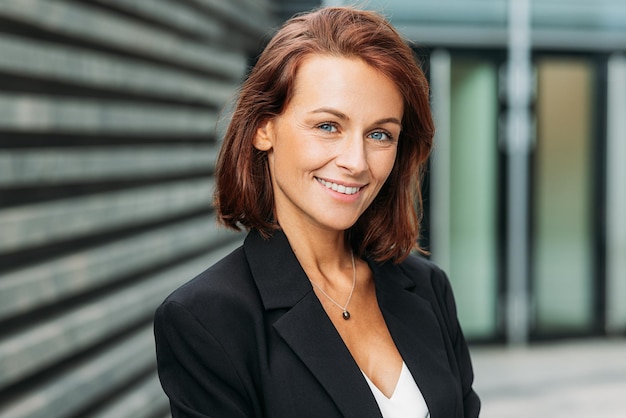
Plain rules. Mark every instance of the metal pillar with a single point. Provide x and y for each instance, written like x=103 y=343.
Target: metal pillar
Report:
x=517 y=147
x=440 y=169
x=616 y=196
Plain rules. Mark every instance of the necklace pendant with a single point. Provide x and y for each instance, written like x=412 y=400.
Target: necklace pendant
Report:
x=346 y=315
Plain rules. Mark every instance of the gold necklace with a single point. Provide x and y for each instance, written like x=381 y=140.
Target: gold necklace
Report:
x=345 y=314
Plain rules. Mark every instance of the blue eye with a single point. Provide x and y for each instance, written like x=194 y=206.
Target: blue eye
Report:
x=328 y=127
x=380 y=136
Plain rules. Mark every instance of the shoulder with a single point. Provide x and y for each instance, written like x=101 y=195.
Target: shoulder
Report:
x=417 y=263
x=206 y=335
x=423 y=272
x=229 y=275
x=430 y=282
x=223 y=293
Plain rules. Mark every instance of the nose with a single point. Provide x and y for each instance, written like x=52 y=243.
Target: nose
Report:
x=352 y=154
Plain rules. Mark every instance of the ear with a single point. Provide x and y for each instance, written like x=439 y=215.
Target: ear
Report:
x=264 y=138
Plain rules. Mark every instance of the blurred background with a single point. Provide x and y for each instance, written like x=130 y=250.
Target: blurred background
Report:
x=110 y=120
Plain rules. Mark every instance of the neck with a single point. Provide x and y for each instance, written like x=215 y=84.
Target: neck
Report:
x=324 y=255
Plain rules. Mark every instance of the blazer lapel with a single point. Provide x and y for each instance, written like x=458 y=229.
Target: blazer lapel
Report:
x=305 y=326
x=414 y=328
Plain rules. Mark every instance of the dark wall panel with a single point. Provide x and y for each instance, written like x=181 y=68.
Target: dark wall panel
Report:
x=108 y=139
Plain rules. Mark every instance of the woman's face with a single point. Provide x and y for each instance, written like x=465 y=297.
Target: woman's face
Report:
x=334 y=145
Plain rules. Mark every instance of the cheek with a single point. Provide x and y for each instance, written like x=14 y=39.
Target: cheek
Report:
x=385 y=164
x=302 y=156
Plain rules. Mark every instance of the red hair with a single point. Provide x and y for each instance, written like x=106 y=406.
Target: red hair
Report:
x=389 y=228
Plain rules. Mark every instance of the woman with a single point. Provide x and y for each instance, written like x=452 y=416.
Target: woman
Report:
x=322 y=312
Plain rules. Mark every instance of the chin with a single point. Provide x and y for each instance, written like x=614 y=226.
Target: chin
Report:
x=339 y=225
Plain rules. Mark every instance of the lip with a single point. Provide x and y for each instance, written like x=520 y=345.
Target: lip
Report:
x=347 y=189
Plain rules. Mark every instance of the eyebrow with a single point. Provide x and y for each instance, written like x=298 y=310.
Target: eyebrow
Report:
x=343 y=116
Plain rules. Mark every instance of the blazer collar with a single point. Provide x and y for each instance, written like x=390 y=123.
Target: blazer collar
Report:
x=305 y=326
x=279 y=277
x=417 y=334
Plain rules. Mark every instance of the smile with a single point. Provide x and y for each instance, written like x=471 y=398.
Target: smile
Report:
x=338 y=187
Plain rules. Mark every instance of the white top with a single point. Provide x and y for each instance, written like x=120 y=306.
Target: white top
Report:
x=405 y=402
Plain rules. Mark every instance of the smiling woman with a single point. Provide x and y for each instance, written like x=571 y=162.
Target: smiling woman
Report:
x=322 y=312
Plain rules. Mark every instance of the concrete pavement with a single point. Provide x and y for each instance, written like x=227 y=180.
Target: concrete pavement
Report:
x=553 y=380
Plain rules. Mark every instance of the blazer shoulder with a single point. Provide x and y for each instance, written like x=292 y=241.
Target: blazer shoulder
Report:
x=225 y=289
x=431 y=282
x=419 y=269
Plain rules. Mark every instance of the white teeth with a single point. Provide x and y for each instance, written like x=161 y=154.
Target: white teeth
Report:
x=338 y=187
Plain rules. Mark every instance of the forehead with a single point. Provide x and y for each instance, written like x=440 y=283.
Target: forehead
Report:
x=344 y=82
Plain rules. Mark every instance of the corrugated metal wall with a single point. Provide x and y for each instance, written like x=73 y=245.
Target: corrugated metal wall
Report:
x=287 y=8
x=107 y=146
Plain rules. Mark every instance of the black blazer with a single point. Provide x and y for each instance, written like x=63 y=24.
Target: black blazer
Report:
x=249 y=338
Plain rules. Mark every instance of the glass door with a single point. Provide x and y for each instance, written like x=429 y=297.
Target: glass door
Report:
x=463 y=192
x=563 y=173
